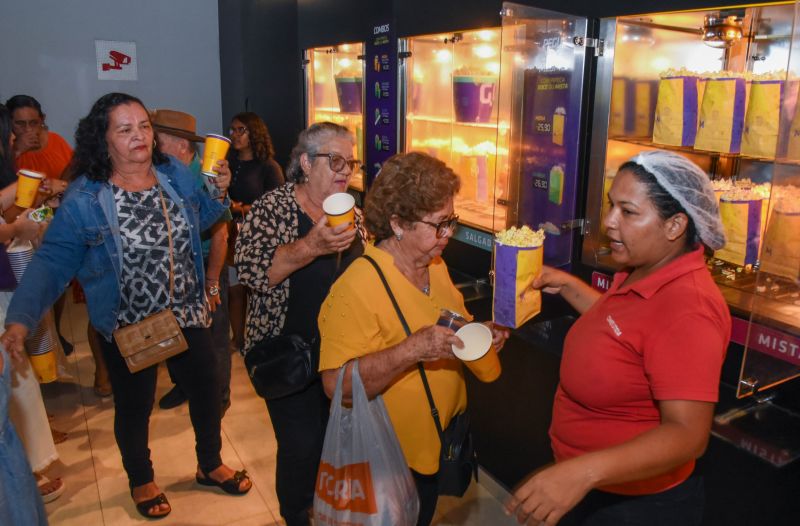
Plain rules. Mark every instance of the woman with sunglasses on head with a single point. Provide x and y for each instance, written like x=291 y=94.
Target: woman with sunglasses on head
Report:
x=409 y=213
x=254 y=172
x=288 y=256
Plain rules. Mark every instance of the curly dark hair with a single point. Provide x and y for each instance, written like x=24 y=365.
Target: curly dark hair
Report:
x=260 y=139
x=666 y=205
x=7 y=175
x=91 y=149
x=409 y=186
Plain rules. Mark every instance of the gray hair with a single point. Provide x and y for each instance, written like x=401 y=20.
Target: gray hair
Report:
x=309 y=142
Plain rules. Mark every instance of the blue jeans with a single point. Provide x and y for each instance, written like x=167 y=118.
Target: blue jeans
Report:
x=681 y=505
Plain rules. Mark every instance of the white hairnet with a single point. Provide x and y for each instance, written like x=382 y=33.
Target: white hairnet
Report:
x=691 y=187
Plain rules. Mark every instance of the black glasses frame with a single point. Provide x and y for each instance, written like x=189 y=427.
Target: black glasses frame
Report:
x=451 y=223
x=337 y=163
x=241 y=130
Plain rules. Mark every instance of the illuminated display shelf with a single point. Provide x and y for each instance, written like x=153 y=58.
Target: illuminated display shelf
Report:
x=446 y=120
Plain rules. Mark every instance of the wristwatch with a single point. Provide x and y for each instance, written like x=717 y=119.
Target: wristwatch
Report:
x=213 y=289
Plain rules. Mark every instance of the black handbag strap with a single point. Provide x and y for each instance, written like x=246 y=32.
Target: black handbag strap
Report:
x=434 y=411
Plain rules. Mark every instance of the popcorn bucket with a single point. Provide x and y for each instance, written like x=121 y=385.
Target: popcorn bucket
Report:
x=721 y=120
x=676 y=111
x=473 y=97
x=514 y=270
x=743 y=221
x=348 y=91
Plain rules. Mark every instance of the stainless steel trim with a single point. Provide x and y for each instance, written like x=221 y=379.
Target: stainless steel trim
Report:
x=599 y=138
x=402 y=90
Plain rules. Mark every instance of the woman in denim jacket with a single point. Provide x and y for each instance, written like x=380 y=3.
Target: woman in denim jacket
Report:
x=111 y=233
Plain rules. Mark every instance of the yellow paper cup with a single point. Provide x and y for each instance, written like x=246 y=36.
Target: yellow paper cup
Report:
x=340 y=208
x=478 y=352
x=216 y=148
x=27 y=185
x=44 y=366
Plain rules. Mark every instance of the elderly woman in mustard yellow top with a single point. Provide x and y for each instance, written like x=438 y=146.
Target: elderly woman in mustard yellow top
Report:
x=409 y=213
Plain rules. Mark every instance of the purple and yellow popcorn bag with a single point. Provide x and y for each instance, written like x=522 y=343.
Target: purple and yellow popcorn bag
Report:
x=762 y=121
x=676 y=111
x=515 y=268
x=744 y=220
x=721 y=120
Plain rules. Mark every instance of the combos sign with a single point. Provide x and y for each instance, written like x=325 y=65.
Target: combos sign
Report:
x=347 y=488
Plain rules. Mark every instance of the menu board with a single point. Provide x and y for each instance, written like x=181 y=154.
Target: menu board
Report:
x=549 y=167
x=380 y=83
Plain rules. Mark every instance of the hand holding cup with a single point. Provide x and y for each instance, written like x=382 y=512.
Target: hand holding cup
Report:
x=478 y=352
x=216 y=148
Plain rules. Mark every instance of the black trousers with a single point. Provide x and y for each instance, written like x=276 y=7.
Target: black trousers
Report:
x=681 y=505
x=134 y=393
x=428 y=491
x=299 y=422
x=220 y=337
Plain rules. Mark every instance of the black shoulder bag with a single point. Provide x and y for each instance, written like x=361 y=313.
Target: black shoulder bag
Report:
x=282 y=365
x=458 y=462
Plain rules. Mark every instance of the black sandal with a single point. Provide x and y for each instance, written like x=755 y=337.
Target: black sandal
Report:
x=144 y=507
x=230 y=486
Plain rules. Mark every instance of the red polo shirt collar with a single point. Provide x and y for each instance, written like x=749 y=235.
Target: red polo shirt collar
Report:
x=649 y=285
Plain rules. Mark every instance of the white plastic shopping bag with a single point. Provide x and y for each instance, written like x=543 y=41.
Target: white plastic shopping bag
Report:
x=363 y=477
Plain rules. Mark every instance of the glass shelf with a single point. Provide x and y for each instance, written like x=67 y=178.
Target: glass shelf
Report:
x=503 y=126
x=647 y=143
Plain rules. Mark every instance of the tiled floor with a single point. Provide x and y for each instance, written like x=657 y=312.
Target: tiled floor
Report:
x=97 y=489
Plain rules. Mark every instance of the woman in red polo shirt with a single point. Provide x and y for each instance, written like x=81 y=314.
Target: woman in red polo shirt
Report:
x=640 y=371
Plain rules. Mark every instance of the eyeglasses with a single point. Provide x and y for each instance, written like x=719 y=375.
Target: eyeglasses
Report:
x=449 y=225
x=337 y=163
x=33 y=123
x=238 y=130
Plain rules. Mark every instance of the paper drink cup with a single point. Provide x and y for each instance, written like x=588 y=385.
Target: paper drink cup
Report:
x=216 y=148
x=340 y=208
x=27 y=185
x=478 y=352
x=44 y=367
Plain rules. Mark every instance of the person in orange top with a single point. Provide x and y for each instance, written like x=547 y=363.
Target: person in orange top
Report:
x=641 y=366
x=36 y=147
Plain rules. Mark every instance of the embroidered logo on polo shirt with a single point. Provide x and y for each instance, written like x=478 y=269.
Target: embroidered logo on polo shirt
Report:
x=614 y=326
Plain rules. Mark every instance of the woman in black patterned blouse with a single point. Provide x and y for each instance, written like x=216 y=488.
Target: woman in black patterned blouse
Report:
x=254 y=172
x=287 y=255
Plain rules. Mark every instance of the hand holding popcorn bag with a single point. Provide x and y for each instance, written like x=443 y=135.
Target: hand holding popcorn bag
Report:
x=518 y=256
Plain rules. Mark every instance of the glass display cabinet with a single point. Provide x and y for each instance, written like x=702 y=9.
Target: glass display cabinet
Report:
x=451 y=86
x=542 y=98
x=334 y=92
x=712 y=85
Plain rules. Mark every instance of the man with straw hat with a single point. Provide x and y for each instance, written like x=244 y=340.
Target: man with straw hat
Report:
x=177 y=136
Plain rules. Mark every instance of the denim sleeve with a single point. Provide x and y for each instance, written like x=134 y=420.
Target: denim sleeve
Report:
x=53 y=265
x=211 y=210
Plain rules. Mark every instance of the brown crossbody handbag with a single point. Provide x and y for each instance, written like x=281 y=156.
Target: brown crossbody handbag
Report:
x=157 y=337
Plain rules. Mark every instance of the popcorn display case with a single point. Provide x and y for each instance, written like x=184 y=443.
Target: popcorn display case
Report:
x=718 y=87
x=451 y=91
x=335 y=92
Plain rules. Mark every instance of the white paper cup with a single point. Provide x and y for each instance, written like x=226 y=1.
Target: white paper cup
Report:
x=478 y=353
x=340 y=208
